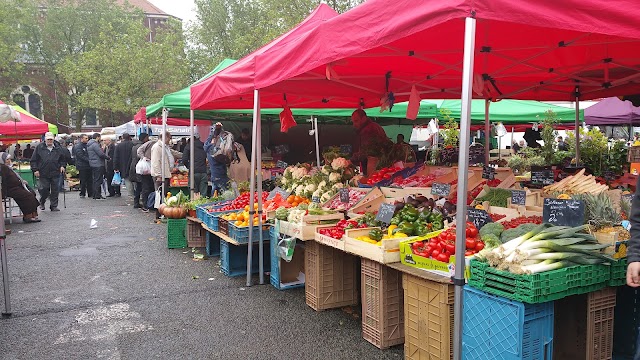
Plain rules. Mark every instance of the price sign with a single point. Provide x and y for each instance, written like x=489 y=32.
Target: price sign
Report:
x=278 y=190
x=281 y=164
x=315 y=199
x=542 y=175
x=345 y=149
x=479 y=218
x=518 y=197
x=344 y=195
x=628 y=198
x=440 y=189
x=563 y=212
x=488 y=172
x=385 y=213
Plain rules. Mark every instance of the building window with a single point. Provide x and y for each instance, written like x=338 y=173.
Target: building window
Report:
x=91 y=117
x=29 y=99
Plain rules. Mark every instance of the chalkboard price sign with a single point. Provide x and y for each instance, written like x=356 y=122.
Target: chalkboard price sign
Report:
x=344 y=196
x=315 y=199
x=542 y=175
x=488 y=172
x=478 y=217
x=385 y=213
x=281 y=164
x=563 y=212
x=518 y=197
x=440 y=189
x=278 y=190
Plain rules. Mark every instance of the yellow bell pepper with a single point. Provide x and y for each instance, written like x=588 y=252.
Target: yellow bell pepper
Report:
x=400 y=235
x=391 y=228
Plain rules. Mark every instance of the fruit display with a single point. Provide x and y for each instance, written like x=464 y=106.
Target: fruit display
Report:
x=337 y=232
x=354 y=197
x=376 y=236
x=243 y=218
x=382 y=174
x=513 y=223
x=179 y=179
x=599 y=210
x=415 y=181
x=576 y=184
x=239 y=203
x=290 y=202
x=497 y=217
x=443 y=246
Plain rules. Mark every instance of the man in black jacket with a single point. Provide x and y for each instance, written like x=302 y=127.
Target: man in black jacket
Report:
x=200 y=178
x=110 y=149
x=122 y=161
x=47 y=163
x=82 y=164
x=136 y=178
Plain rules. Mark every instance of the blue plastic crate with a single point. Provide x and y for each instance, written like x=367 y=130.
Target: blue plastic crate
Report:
x=241 y=234
x=275 y=263
x=213 y=245
x=233 y=259
x=496 y=328
x=213 y=218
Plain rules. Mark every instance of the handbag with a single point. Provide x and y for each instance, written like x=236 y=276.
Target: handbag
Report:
x=117 y=179
x=143 y=167
x=158 y=199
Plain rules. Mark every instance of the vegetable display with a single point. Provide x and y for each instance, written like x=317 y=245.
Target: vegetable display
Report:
x=414 y=222
x=443 y=246
x=497 y=197
x=547 y=247
x=354 y=197
x=239 y=203
x=337 y=232
x=513 y=223
x=382 y=174
x=414 y=181
x=576 y=184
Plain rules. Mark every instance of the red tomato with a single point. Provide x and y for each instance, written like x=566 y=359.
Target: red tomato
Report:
x=451 y=248
x=470 y=244
x=473 y=232
x=479 y=246
x=468 y=253
x=435 y=253
x=443 y=257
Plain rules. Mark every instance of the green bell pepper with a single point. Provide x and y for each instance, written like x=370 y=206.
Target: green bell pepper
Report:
x=376 y=234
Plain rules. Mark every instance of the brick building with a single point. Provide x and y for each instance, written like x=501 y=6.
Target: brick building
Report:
x=38 y=92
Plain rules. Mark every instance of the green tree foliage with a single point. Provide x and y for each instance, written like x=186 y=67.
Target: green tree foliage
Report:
x=233 y=29
x=98 y=54
x=548 y=135
x=10 y=52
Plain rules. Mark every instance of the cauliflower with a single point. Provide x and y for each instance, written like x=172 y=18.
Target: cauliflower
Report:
x=300 y=190
x=284 y=181
x=322 y=184
x=325 y=197
x=310 y=188
x=326 y=169
x=338 y=186
x=339 y=163
x=334 y=177
x=317 y=193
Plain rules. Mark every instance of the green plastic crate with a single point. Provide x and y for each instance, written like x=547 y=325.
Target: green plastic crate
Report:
x=176 y=233
x=27 y=175
x=618 y=273
x=542 y=287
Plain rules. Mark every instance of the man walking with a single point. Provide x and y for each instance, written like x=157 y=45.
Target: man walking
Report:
x=110 y=149
x=217 y=148
x=122 y=161
x=136 y=178
x=82 y=164
x=200 y=178
x=47 y=164
x=97 y=158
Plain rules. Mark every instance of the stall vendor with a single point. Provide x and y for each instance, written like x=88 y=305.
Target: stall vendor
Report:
x=368 y=133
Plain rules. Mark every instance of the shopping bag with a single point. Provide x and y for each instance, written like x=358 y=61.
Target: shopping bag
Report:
x=117 y=179
x=414 y=104
x=286 y=120
x=151 y=199
x=143 y=167
x=158 y=199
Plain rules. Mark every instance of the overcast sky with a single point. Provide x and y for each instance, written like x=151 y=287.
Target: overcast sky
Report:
x=184 y=9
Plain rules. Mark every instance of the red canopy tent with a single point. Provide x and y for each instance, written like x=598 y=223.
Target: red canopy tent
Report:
x=141 y=118
x=536 y=50
x=27 y=127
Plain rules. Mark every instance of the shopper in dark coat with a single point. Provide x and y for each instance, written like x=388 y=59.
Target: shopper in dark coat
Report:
x=110 y=150
x=200 y=178
x=97 y=158
x=82 y=165
x=48 y=164
x=122 y=161
x=13 y=186
x=134 y=177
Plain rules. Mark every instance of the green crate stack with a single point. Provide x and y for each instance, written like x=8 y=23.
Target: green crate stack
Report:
x=176 y=233
x=618 y=273
x=542 y=287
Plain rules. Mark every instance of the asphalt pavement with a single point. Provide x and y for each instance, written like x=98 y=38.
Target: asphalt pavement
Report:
x=117 y=292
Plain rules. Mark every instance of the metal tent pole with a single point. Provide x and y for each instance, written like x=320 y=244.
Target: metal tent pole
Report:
x=463 y=168
x=314 y=122
x=252 y=193
x=192 y=158
x=3 y=260
x=577 y=130
x=165 y=113
x=259 y=191
x=487 y=132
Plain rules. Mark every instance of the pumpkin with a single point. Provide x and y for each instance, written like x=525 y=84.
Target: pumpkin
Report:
x=170 y=212
x=161 y=209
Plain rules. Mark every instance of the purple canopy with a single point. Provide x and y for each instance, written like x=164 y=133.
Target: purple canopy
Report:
x=612 y=111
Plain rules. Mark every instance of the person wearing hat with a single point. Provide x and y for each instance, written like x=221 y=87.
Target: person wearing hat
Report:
x=200 y=180
x=48 y=165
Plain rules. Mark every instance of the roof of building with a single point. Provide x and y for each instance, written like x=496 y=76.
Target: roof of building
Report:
x=146 y=7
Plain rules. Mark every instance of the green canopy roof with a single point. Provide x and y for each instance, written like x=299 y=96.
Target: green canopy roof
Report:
x=509 y=111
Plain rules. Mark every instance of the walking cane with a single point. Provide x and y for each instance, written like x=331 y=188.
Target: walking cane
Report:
x=64 y=192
